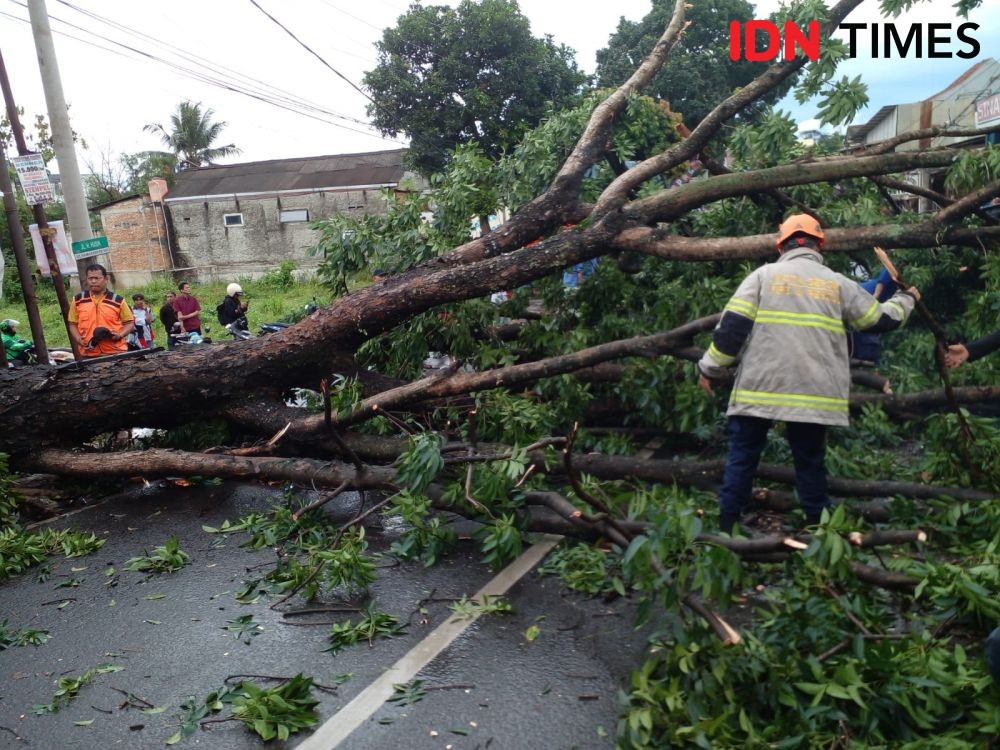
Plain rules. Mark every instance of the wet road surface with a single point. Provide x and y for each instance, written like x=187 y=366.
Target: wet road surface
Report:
x=491 y=687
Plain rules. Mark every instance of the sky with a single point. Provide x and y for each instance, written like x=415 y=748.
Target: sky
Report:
x=113 y=91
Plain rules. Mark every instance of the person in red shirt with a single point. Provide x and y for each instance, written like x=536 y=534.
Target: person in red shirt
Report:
x=188 y=310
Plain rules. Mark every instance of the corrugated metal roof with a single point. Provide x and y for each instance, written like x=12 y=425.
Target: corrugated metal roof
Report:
x=278 y=175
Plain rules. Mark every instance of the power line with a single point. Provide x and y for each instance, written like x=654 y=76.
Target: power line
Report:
x=234 y=87
x=311 y=51
x=350 y=15
x=263 y=87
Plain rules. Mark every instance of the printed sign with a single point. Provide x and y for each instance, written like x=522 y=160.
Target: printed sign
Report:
x=34 y=178
x=67 y=264
x=90 y=248
x=988 y=110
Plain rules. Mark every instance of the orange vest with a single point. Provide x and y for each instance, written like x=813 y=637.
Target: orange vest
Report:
x=91 y=316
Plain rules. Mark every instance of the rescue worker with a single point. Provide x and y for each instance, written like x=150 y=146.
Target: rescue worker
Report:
x=784 y=331
x=959 y=353
x=100 y=320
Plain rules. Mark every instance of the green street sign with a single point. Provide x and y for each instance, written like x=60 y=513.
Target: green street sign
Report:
x=90 y=248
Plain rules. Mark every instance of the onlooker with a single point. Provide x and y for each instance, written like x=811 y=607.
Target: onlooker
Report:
x=100 y=320
x=576 y=275
x=168 y=317
x=143 y=321
x=959 y=353
x=233 y=310
x=17 y=348
x=867 y=346
x=188 y=310
x=784 y=329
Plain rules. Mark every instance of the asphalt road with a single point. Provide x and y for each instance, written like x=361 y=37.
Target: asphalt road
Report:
x=491 y=687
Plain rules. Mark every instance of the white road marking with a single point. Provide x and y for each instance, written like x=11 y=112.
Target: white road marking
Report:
x=339 y=726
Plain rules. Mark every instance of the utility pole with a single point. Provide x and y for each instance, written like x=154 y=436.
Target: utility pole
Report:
x=43 y=224
x=23 y=268
x=62 y=133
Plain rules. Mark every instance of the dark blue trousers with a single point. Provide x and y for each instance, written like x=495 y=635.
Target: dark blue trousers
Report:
x=747 y=438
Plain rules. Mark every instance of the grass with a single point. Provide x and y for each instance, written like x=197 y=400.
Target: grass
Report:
x=268 y=300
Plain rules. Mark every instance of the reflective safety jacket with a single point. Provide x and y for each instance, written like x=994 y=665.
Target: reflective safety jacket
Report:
x=785 y=331
x=111 y=312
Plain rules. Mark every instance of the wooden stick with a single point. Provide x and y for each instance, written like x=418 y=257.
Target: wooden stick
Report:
x=940 y=349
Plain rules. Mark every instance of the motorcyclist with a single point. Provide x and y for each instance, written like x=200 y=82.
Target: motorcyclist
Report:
x=17 y=348
x=232 y=312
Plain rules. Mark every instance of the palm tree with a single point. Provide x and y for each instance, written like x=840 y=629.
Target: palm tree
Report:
x=190 y=136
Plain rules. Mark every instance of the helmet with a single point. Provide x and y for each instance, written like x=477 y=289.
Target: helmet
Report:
x=800 y=224
x=100 y=334
x=233 y=289
x=9 y=325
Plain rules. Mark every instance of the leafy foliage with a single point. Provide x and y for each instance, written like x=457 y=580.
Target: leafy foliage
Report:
x=447 y=76
x=167 y=558
x=69 y=688
x=271 y=713
x=12 y=636
x=466 y=609
x=698 y=73
x=276 y=712
x=372 y=625
x=316 y=556
x=20 y=550
x=191 y=135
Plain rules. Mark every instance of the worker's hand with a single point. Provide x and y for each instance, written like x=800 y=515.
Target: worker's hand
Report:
x=956 y=355
x=913 y=292
x=705 y=384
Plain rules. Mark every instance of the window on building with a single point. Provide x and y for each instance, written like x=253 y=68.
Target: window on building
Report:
x=232 y=220
x=291 y=215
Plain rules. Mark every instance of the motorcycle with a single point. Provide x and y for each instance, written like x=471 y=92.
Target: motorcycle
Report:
x=239 y=329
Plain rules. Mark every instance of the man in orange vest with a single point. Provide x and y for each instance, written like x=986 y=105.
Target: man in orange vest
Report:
x=100 y=319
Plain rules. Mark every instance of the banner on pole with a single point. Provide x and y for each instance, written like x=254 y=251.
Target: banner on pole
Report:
x=67 y=264
x=34 y=178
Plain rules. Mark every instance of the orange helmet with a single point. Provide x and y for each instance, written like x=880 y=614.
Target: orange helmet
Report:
x=800 y=224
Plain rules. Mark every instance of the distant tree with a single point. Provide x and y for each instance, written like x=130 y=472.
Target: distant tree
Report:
x=144 y=166
x=190 y=135
x=698 y=73
x=128 y=174
x=448 y=76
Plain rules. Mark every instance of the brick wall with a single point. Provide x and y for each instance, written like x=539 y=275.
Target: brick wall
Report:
x=136 y=239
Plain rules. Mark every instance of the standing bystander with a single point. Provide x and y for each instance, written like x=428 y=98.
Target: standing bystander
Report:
x=188 y=310
x=168 y=317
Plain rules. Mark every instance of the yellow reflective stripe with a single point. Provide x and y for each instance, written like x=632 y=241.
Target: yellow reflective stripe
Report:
x=742 y=306
x=868 y=318
x=722 y=359
x=809 y=320
x=897 y=306
x=795 y=400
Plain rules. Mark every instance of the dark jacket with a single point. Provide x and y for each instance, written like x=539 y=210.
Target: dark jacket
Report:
x=231 y=311
x=986 y=345
x=168 y=316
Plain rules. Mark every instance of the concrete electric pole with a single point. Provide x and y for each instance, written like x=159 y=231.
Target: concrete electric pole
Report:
x=62 y=133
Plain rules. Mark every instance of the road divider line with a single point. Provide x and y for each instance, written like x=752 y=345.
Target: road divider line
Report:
x=339 y=726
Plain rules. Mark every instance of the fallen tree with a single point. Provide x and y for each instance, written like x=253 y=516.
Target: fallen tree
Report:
x=493 y=436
